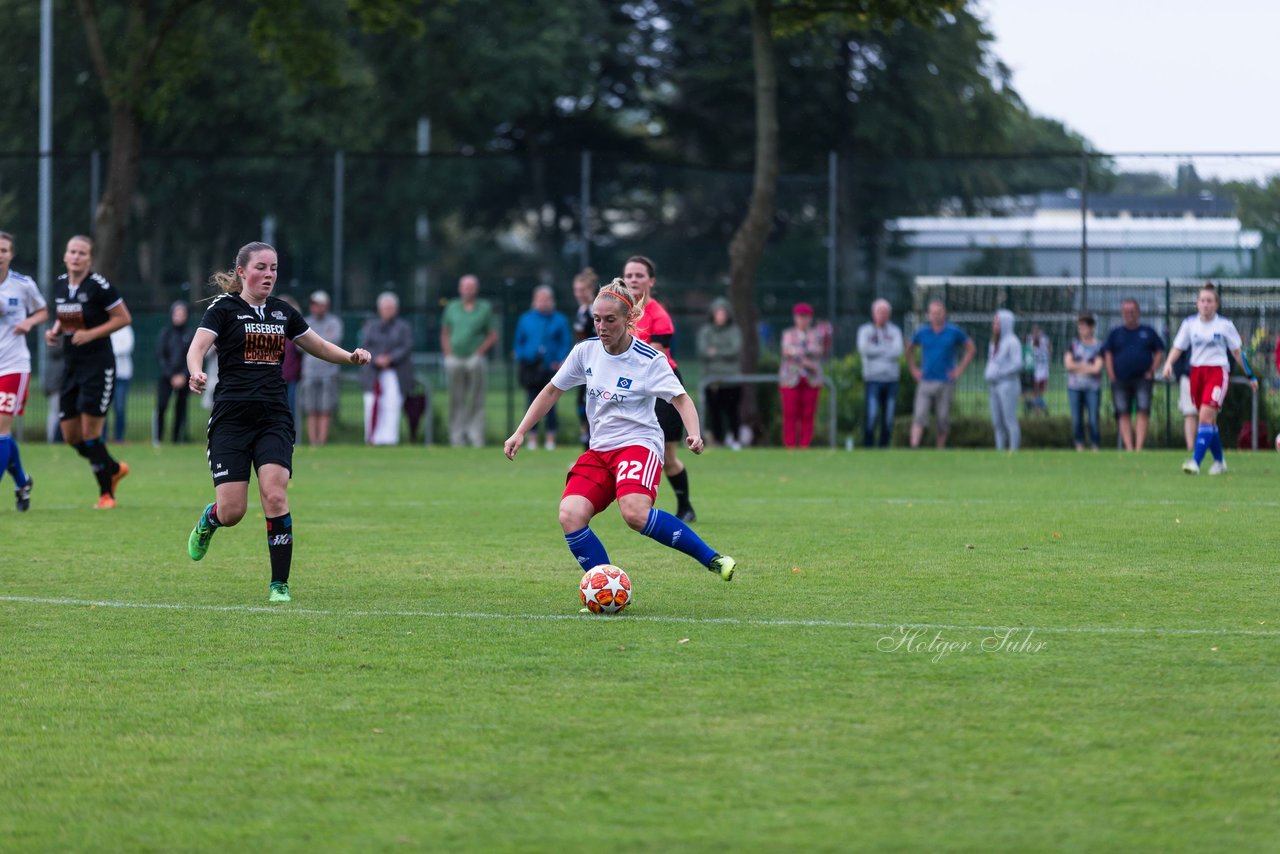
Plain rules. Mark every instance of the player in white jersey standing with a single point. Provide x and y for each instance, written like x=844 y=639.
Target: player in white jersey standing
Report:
x=623 y=376
x=1212 y=340
x=22 y=308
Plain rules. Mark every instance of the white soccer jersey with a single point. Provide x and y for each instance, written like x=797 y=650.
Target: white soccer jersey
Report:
x=19 y=297
x=620 y=392
x=1209 y=343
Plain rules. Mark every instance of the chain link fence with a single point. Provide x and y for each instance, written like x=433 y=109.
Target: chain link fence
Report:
x=356 y=224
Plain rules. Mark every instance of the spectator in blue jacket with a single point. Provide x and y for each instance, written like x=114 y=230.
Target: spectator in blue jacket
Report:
x=543 y=340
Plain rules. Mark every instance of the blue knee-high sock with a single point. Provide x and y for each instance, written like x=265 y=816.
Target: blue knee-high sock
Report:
x=670 y=531
x=1204 y=438
x=587 y=548
x=6 y=448
x=1215 y=444
x=15 y=463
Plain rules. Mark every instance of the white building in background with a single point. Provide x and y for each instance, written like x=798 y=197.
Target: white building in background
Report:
x=1160 y=236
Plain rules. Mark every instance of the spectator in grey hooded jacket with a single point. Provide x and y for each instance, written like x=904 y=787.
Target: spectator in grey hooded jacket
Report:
x=1004 y=366
x=719 y=346
x=880 y=346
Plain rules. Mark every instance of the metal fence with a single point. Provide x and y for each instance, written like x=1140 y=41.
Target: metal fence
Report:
x=1052 y=306
x=846 y=232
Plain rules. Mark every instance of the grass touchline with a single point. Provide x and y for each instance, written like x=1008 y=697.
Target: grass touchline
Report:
x=633 y=617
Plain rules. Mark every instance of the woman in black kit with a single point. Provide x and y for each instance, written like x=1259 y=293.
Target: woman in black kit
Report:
x=88 y=310
x=252 y=425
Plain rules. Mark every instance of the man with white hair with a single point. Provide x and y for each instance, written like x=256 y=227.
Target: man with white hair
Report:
x=880 y=346
x=388 y=376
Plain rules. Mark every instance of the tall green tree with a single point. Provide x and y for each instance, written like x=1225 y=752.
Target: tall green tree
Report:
x=141 y=55
x=906 y=104
x=538 y=80
x=1258 y=206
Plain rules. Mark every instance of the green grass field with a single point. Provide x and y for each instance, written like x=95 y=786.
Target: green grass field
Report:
x=432 y=685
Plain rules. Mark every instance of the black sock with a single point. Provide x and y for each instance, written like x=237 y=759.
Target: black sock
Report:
x=680 y=486
x=280 y=546
x=104 y=467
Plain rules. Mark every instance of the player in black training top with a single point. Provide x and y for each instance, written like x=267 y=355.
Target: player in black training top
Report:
x=252 y=425
x=88 y=310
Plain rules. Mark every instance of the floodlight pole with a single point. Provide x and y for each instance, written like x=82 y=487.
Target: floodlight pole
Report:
x=44 y=227
x=1084 y=229
x=584 y=196
x=339 y=203
x=833 y=162
x=422 y=228
x=95 y=182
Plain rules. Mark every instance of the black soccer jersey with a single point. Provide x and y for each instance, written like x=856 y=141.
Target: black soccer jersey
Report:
x=86 y=308
x=250 y=344
x=583 y=324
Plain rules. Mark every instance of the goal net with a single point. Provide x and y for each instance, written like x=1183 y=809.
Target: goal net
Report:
x=1053 y=304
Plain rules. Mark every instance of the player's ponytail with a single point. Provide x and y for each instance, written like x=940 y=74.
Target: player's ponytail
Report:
x=229 y=281
x=226 y=281
x=618 y=290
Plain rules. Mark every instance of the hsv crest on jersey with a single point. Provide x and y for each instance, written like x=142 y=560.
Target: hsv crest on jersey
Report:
x=624 y=382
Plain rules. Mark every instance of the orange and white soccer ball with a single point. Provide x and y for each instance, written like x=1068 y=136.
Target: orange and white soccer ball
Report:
x=605 y=589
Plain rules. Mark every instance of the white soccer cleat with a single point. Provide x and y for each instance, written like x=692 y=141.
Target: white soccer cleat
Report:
x=1191 y=467
x=1218 y=468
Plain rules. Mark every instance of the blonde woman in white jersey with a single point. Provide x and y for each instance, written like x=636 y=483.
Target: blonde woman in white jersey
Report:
x=22 y=308
x=1212 y=340
x=623 y=376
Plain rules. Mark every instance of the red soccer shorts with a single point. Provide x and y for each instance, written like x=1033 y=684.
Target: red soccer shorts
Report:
x=1208 y=385
x=13 y=394
x=602 y=476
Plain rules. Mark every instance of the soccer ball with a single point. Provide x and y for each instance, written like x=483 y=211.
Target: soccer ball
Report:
x=1278 y=441
x=605 y=589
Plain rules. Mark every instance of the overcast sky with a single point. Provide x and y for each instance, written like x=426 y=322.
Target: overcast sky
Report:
x=1151 y=75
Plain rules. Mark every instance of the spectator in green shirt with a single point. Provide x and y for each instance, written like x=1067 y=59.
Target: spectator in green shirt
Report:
x=468 y=332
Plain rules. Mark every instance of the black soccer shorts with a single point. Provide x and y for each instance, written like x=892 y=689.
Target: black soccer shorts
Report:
x=87 y=390
x=245 y=435
x=668 y=419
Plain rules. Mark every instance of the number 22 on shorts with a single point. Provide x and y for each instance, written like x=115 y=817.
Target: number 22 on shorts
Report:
x=630 y=470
